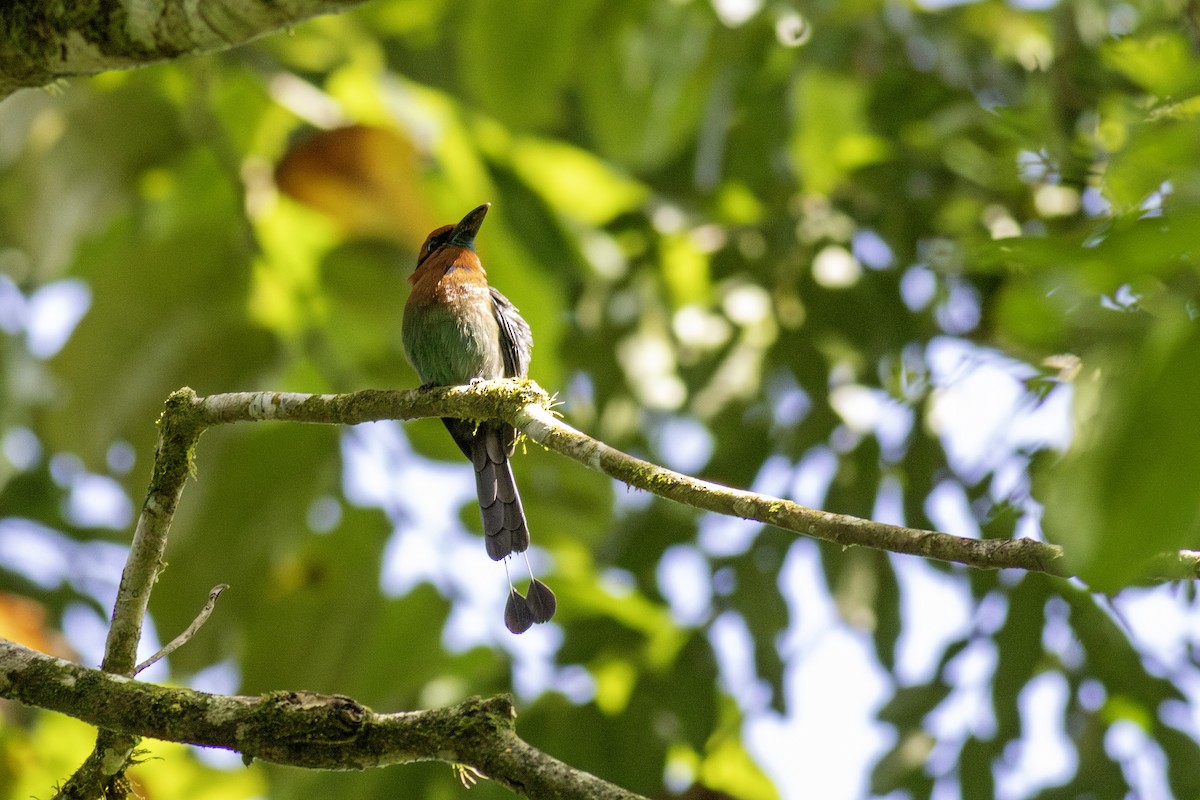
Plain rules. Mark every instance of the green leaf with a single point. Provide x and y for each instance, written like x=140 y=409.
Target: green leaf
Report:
x=648 y=82
x=907 y=708
x=757 y=599
x=902 y=767
x=516 y=60
x=1114 y=661
x=832 y=138
x=1162 y=62
x=1183 y=759
x=975 y=769
x=728 y=767
x=1019 y=652
x=573 y=179
x=1124 y=493
x=1156 y=152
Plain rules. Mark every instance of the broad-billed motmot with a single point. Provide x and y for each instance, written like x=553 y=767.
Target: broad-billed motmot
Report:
x=457 y=330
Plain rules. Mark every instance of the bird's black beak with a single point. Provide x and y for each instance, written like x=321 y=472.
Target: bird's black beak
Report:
x=464 y=232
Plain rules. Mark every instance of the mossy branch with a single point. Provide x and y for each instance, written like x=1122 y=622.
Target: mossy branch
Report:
x=525 y=405
x=42 y=41
x=301 y=729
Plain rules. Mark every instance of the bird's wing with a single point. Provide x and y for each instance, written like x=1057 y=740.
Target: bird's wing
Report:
x=516 y=340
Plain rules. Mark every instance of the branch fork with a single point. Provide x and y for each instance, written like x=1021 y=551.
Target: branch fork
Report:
x=304 y=729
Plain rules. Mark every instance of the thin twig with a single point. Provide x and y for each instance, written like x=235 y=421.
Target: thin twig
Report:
x=182 y=639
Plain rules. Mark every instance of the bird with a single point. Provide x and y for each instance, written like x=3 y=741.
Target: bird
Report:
x=458 y=330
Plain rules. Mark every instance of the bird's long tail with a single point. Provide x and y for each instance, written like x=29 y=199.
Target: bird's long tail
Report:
x=499 y=501
x=504 y=527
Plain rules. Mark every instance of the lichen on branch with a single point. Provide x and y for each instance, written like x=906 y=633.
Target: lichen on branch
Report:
x=42 y=41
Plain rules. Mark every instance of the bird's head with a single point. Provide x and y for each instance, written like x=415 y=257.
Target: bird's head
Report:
x=460 y=235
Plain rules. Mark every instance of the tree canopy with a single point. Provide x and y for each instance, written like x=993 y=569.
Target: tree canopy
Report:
x=935 y=266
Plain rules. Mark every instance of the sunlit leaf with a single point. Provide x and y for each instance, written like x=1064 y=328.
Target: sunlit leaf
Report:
x=366 y=178
x=832 y=137
x=1163 y=62
x=1157 y=154
x=1122 y=494
x=576 y=181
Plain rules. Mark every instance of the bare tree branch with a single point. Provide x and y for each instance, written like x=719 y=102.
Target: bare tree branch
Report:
x=44 y=40
x=301 y=729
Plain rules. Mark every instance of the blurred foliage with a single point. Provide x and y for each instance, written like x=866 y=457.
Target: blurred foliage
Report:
x=746 y=237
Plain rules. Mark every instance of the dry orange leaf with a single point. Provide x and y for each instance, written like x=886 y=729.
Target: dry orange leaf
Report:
x=367 y=178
